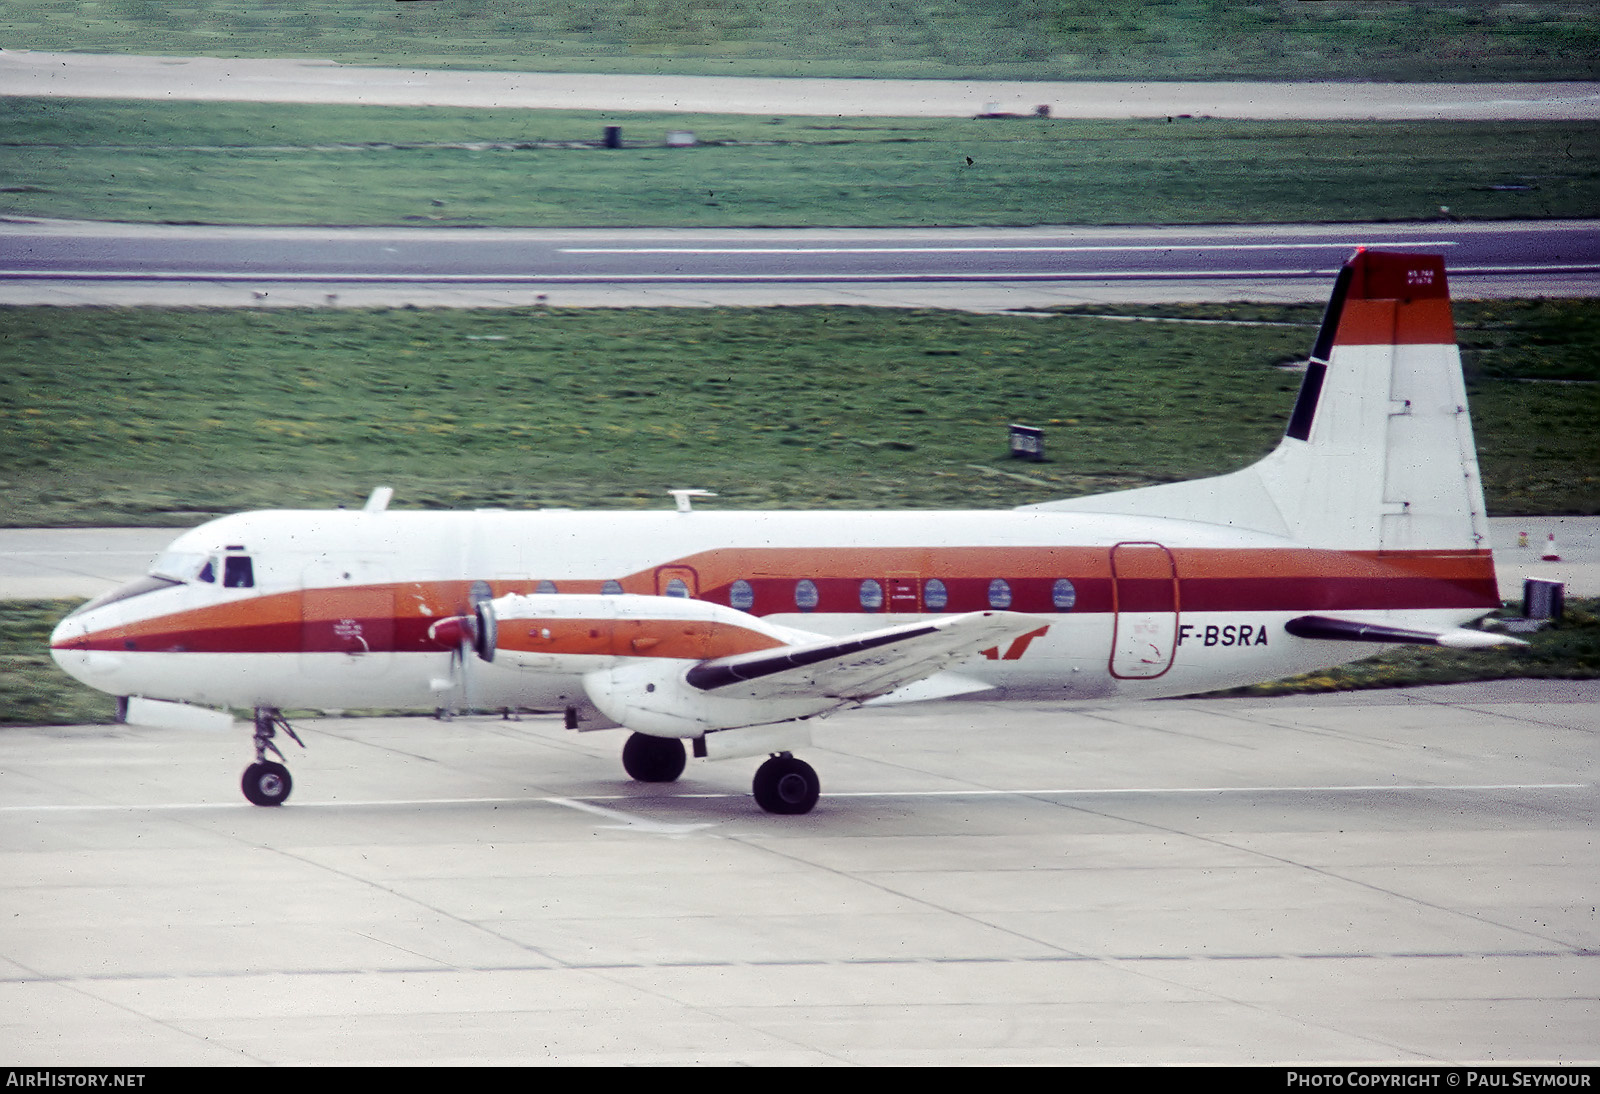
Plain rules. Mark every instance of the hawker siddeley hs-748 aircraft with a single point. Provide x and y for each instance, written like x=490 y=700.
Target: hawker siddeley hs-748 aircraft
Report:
x=729 y=629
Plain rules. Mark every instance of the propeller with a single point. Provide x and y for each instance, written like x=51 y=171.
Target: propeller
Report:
x=459 y=635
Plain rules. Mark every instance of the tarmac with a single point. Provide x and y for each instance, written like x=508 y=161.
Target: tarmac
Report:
x=305 y=80
x=1378 y=878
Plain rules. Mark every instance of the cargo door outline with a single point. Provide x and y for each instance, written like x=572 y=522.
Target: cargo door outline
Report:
x=902 y=593
x=686 y=574
x=1145 y=609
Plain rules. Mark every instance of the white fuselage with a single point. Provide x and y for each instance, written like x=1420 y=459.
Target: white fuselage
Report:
x=338 y=606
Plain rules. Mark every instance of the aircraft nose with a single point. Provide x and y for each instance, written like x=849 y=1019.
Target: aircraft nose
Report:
x=66 y=632
x=69 y=653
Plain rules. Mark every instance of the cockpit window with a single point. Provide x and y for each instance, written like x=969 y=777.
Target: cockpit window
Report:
x=238 y=573
x=138 y=587
x=181 y=566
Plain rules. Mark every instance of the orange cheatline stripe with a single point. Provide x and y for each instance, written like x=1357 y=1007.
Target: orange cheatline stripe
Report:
x=400 y=613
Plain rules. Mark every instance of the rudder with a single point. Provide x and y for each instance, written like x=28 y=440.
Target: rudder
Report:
x=1378 y=453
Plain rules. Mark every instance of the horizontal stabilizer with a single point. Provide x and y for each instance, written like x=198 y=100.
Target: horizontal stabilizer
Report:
x=863 y=666
x=1359 y=630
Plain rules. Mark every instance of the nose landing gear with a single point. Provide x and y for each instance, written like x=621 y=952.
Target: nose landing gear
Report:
x=266 y=782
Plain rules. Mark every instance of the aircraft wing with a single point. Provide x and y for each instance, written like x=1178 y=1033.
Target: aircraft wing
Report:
x=861 y=666
x=1347 y=629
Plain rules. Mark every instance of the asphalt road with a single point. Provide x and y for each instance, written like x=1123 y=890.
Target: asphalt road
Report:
x=29 y=72
x=54 y=261
x=1379 y=878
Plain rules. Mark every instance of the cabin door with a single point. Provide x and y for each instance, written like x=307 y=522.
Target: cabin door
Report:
x=1144 y=597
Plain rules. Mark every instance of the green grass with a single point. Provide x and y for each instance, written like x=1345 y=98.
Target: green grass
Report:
x=153 y=416
x=32 y=690
x=1010 y=39
x=1528 y=340
x=233 y=163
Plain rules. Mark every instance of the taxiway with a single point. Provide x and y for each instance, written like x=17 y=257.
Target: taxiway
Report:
x=1400 y=878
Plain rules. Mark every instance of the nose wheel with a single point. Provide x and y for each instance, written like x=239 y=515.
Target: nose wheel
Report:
x=786 y=786
x=266 y=782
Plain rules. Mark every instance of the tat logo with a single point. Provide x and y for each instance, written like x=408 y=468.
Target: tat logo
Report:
x=1018 y=647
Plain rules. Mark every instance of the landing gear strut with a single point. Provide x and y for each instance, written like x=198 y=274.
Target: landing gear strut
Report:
x=653 y=759
x=265 y=782
x=786 y=785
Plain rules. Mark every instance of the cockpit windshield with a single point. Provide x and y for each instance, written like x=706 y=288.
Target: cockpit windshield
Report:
x=174 y=568
x=137 y=587
x=180 y=566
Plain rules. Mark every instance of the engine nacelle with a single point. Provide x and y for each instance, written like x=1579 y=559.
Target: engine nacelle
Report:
x=652 y=696
x=632 y=653
x=578 y=632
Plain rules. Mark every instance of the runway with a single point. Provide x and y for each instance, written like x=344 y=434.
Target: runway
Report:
x=65 y=262
x=1381 y=878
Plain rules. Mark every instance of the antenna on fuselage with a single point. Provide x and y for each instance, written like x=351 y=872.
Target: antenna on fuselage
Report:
x=682 y=497
x=378 y=500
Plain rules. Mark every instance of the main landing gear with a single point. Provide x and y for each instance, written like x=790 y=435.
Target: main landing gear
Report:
x=786 y=785
x=265 y=782
x=782 y=784
x=653 y=759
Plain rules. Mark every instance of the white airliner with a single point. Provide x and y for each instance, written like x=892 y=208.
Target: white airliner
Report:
x=729 y=629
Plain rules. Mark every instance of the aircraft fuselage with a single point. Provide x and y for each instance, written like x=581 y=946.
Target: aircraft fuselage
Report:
x=339 y=605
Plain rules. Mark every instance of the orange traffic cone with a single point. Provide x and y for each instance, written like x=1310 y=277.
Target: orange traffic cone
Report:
x=1550 y=552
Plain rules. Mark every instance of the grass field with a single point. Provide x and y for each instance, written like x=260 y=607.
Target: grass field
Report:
x=151 y=416
x=1011 y=39
x=233 y=163
x=33 y=691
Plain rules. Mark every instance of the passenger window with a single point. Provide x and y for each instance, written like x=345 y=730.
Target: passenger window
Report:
x=238 y=573
x=805 y=595
x=1063 y=595
x=742 y=596
x=611 y=588
x=871 y=596
x=677 y=588
x=999 y=593
x=545 y=587
x=935 y=597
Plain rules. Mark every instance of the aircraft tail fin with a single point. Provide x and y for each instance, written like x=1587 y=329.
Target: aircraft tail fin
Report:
x=1378 y=453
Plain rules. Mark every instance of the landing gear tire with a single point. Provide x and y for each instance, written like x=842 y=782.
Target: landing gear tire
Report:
x=786 y=786
x=653 y=759
x=266 y=783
